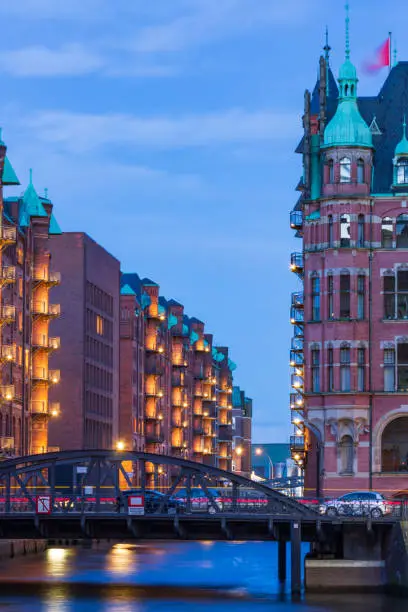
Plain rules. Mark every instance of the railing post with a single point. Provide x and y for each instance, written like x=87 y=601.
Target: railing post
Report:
x=8 y=489
x=282 y=560
x=234 y=497
x=98 y=485
x=296 y=541
x=188 y=490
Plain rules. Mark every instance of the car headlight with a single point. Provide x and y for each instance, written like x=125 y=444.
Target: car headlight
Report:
x=322 y=509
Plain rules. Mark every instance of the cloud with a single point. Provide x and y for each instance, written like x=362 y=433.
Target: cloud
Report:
x=71 y=59
x=84 y=132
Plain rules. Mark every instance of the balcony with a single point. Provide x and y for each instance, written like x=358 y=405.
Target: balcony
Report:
x=8 y=235
x=7 y=275
x=47 y=344
x=153 y=391
x=153 y=416
x=154 y=437
x=6 y=443
x=296 y=359
x=296 y=382
x=297 y=316
x=296 y=402
x=7 y=315
x=297 y=444
x=298 y=331
x=44 y=407
x=43 y=309
x=297 y=264
x=296 y=220
x=7 y=392
x=42 y=275
x=297 y=299
x=8 y=353
x=297 y=420
x=153 y=314
x=179 y=401
x=178 y=379
x=297 y=344
x=155 y=365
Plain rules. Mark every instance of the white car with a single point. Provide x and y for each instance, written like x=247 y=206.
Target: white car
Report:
x=359 y=503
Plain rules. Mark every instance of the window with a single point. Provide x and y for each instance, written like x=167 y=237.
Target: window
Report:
x=315 y=370
x=345 y=295
x=330 y=296
x=99 y=325
x=402 y=171
x=386 y=233
x=402 y=232
x=316 y=298
x=345 y=230
x=345 y=382
x=345 y=170
x=360 y=171
x=346 y=456
x=330 y=231
x=389 y=297
x=361 y=369
x=396 y=295
x=389 y=370
x=402 y=366
x=330 y=370
x=360 y=234
x=360 y=296
x=331 y=171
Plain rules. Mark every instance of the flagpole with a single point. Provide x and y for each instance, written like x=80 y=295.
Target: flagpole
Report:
x=390 y=51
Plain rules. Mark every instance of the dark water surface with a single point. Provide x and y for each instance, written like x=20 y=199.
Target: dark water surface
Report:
x=211 y=576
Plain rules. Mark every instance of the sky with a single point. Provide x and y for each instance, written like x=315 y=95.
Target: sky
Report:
x=166 y=130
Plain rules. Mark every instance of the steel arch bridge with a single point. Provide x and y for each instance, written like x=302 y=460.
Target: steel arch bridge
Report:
x=96 y=479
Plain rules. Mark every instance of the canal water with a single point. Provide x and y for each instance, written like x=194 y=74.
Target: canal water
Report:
x=193 y=576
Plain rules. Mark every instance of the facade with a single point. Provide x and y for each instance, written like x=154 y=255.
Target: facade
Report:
x=175 y=385
x=26 y=276
x=349 y=353
x=89 y=331
x=241 y=432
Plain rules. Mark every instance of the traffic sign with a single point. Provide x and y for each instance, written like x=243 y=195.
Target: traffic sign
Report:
x=43 y=504
x=136 y=505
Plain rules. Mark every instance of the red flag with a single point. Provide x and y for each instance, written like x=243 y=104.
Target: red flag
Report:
x=382 y=58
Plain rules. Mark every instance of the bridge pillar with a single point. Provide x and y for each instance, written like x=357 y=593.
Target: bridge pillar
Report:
x=282 y=560
x=296 y=557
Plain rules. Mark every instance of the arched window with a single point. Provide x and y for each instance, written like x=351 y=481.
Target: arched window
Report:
x=402 y=171
x=389 y=287
x=330 y=368
x=315 y=370
x=330 y=238
x=345 y=170
x=394 y=446
x=345 y=374
x=386 y=233
x=345 y=295
x=360 y=233
x=315 y=298
x=345 y=221
x=402 y=232
x=346 y=455
x=330 y=296
x=331 y=170
x=360 y=296
x=360 y=171
x=361 y=361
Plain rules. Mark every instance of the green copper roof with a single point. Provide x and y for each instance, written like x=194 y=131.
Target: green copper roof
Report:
x=232 y=366
x=185 y=329
x=146 y=300
x=54 y=228
x=161 y=309
x=127 y=290
x=313 y=216
x=194 y=337
x=32 y=202
x=9 y=176
x=172 y=321
x=402 y=146
x=347 y=128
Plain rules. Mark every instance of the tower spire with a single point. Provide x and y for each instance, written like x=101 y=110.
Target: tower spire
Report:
x=347 y=7
x=31 y=176
x=327 y=47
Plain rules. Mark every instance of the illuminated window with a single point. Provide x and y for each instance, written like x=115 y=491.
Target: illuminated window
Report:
x=20 y=321
x=99 y=325
x=20 y=287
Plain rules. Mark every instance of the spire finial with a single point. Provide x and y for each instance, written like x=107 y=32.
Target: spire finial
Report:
x=395 y=54
x=327 y=47
x=347 y=31
x=404 y=127
x=31 y=176
x=46 y=193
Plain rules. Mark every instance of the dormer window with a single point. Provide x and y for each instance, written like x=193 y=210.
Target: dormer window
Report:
x=345 y=170
x=402 y=171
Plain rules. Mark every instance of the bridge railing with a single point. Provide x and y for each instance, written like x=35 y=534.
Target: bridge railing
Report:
x=389 y=508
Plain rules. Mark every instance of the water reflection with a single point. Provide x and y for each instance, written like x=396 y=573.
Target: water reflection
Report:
x=57 y=561
x=122 y=560
x=56 y=599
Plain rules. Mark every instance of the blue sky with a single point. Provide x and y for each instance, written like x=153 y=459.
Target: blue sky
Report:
x=166 y=130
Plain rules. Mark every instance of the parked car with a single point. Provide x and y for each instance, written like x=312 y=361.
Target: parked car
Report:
x=200 y=501
x=152 y=501
x=359 y=503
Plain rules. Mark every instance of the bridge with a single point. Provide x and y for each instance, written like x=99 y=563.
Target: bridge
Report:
x=77 y=495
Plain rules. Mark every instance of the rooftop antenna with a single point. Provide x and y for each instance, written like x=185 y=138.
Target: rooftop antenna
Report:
x=327 y=49
x=347 y=7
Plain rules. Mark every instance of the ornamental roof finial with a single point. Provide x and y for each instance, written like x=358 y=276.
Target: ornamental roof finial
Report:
x=31 y=176
x=327 y=47
x=347 y=7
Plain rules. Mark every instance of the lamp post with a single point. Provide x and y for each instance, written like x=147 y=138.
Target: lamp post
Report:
x=260 y=451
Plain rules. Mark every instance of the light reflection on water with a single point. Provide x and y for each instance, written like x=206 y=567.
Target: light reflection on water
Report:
x=106 y=578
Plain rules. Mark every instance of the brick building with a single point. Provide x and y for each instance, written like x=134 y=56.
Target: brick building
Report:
x=175 y=385
x=89 y=331
x=350 y=348
x=26 y=276
x=241 y=432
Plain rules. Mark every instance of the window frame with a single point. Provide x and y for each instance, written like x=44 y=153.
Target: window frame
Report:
x=345 y=222
x=345 y=170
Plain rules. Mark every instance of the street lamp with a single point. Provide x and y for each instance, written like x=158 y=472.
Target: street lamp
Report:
x=239 y=450
x=260 y=451
x=120 y=445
